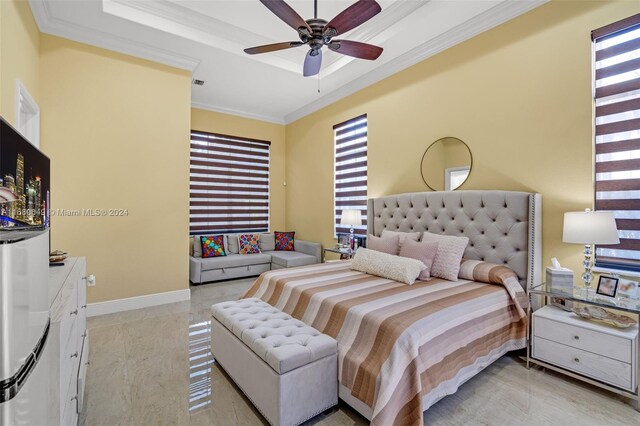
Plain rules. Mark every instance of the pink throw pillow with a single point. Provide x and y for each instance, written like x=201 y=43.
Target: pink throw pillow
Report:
x=386 y=245
x=424 y=252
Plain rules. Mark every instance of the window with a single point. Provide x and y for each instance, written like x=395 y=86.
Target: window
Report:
x=617 y=138
x=350 y=140
x=229 y=184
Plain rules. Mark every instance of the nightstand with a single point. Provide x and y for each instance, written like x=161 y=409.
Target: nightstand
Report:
x=590 y=351
x=345 y=253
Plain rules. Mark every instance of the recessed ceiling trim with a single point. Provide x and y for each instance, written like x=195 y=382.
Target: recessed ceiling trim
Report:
x=495 y=16
x=49 y=24
x=231 y=111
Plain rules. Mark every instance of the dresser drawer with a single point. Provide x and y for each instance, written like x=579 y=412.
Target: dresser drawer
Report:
x=615 y=347
x=69 y=314
x=605 y=369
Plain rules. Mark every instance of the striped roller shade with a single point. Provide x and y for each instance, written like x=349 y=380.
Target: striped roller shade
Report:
x=617 y=130
x=350 y=140
x=229 y=184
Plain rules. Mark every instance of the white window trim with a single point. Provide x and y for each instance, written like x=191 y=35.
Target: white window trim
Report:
x=25 y=102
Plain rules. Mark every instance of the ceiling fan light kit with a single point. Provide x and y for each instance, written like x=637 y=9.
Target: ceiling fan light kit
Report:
x=317 y=33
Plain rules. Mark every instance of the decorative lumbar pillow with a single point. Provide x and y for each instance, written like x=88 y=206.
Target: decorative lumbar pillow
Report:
x=387 y=245
x=450 y=250
x=249 y=243
x=425 y=252
x=212 y=246
x=267 y=242
x=284 y=241
x=404 y=236
x=402 y=269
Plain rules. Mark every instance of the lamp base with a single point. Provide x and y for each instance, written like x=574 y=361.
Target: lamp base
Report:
x=587 y=275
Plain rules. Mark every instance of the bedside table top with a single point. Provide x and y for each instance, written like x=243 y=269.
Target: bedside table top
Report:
x=339 y=251
x=557 y=314
x=579 y=295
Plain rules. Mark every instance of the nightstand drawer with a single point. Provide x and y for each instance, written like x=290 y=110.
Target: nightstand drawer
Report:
x=618 y=348
x=593 y=365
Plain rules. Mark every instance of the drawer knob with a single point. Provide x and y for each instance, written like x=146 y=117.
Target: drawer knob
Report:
x=576 y=337
x=74 y=312
x=74 y=355
x=84 y=306
x=576 y=359
x=75 y=398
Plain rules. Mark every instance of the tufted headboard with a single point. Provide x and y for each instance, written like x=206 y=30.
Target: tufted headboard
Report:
x=503 y=227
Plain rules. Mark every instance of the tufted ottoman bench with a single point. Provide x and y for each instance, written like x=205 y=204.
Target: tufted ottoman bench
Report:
x=286 y=368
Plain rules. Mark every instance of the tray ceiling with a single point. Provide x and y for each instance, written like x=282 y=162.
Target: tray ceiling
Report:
x=208 y=38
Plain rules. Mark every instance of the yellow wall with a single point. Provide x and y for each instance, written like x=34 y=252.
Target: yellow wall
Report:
x=519 y=95
x=19 y=54
x=215 y=122
x=117 y=131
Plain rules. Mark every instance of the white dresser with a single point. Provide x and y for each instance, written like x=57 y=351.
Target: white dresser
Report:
x=69 y=340
x=591 y=349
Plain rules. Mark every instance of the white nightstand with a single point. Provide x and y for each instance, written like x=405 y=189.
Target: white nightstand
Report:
x=585 y=347
x=590 y=351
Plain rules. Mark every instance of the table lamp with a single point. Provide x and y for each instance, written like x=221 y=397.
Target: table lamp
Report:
x=589 y=228
x=351 y=218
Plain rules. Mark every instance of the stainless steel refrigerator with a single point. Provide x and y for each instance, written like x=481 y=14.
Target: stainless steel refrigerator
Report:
x=24 y=327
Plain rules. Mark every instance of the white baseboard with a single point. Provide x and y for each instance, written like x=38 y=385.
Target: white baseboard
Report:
x=130 y=303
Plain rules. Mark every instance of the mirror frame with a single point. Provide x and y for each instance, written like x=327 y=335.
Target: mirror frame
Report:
x=427 y=150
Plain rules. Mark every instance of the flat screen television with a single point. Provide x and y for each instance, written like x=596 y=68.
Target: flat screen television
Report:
x=24 y=182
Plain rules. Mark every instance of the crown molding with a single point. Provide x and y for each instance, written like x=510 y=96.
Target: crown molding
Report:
x=495 y=16
x=231 y=111
x=49 y=24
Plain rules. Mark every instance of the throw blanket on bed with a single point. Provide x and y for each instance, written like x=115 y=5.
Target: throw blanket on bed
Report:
x=401 y=348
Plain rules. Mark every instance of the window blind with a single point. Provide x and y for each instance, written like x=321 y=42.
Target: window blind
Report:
x=617 y=138
x=350 y=141
x=229 y=184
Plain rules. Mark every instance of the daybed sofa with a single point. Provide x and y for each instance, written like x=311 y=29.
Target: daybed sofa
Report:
x=235 y=265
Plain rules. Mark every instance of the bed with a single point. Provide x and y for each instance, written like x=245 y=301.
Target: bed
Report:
x=402 y=348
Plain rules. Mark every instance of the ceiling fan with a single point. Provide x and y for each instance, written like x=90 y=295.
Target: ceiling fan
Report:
x=317 y=33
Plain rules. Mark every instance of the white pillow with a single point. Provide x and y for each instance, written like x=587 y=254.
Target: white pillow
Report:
x=415 y=236
x=450 y=250
x=402 y=269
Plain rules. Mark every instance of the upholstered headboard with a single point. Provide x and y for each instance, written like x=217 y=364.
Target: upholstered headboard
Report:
x=503 y=227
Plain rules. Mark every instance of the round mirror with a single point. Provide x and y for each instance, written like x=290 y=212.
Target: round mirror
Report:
x=446 y=164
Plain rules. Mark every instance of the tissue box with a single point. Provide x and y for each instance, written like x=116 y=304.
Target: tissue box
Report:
x=560 y=280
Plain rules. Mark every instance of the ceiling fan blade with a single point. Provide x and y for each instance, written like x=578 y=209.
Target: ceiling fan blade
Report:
x=285 y=12
x=272 y=47
x=312 y=64
x=356 y=49
x=356 y=14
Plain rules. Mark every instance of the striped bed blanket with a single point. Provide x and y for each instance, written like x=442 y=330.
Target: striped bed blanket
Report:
x=402 y=347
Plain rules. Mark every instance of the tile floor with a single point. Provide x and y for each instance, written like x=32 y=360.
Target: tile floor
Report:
x=153 y=367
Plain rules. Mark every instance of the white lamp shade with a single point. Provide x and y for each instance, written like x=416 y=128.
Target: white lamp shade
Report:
x=590 y=228
x=351 y=218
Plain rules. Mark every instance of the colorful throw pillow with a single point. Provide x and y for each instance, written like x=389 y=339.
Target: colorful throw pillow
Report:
x=284 y=241
x=249 y=243
x=212 y=245
x=387 y=245
x=425 y=252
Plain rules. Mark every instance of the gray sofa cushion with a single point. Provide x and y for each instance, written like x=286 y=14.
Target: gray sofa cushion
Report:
x=282 y=341
x=290 y=259
x=267 y=242
x=233 y=260
x=231 y=244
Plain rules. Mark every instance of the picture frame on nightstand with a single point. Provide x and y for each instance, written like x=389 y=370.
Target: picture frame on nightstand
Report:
x=628 y=289
x=607 y=286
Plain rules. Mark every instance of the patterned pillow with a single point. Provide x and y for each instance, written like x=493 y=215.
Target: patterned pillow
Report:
x=284 y=241
x=425 y=252
x=249 y=243
x=212 y=245
x=450 y=250
x=387 y=245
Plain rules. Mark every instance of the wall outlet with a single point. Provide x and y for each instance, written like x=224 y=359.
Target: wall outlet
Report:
x=91 y=280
